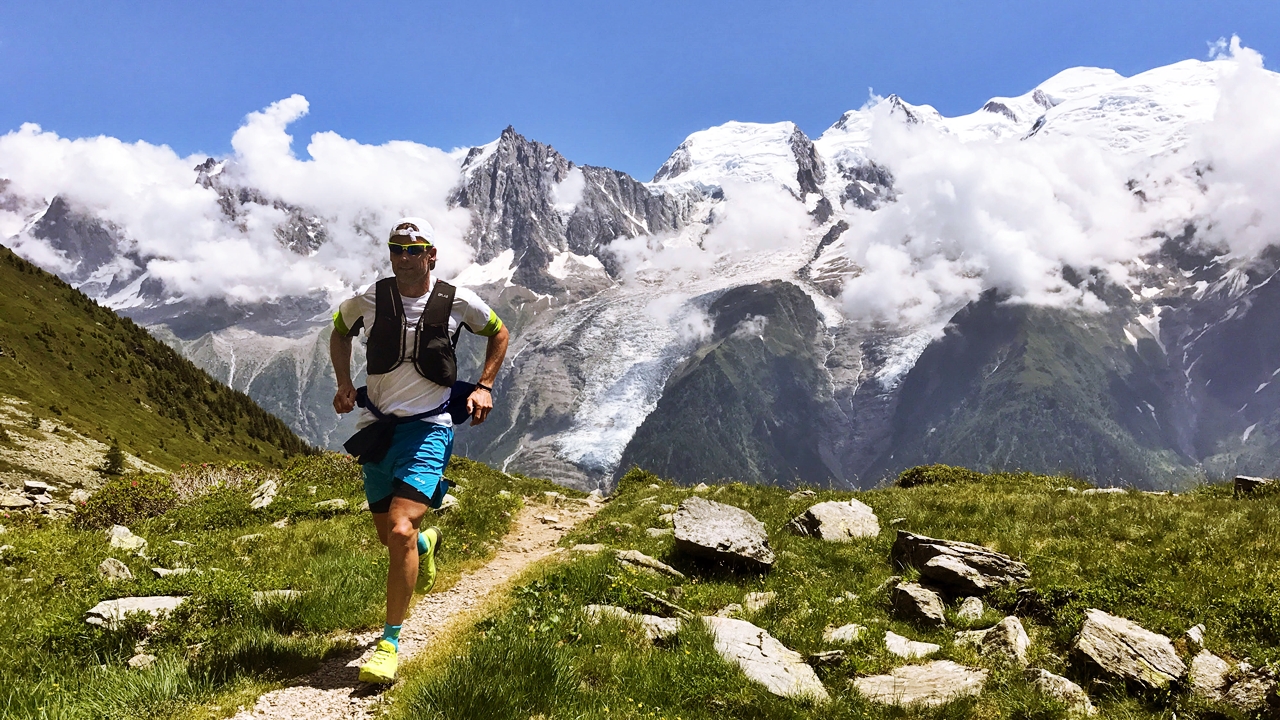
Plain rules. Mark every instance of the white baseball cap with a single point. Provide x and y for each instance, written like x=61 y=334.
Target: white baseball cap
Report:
x=420 y=230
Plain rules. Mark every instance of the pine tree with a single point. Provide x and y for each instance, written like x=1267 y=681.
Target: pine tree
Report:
x=113 y=464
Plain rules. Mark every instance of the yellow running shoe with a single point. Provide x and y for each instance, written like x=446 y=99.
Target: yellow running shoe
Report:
x=381 y=668
x=434 y=537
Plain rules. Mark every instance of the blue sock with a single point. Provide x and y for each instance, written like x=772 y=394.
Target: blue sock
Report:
x=422 y=544
x=391 y=633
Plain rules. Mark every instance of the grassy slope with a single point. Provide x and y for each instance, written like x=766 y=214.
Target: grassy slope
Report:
x=1166 y=562
x=219 y=649
x=83 y=366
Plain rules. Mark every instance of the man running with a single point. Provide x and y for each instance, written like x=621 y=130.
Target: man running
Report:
x=412 y=322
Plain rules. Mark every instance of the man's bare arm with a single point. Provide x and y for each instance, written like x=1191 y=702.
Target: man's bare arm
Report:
x=481 y=401
x=344 y=401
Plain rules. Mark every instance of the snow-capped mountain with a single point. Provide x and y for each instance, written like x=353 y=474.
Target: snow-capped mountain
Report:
x=1045 y=283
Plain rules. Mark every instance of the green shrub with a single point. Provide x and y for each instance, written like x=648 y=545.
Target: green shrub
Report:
x=125 y=499
x=937 y=474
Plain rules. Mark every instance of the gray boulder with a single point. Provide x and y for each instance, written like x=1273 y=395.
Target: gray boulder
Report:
x=113 y=570
x=657 y=629
x=264 y=495
x=640 y=561
x=121 y=537
x=1126 y=650
x=1208 y=675
x=837 y=521
x=970 y=610
x=109 y=613
x=1245 y=484
x=1062 y=690
x=757 y=601
x=35 y=487
x=844 y=634
x=918 y=604
x=931 y=684
x=1194 y=638
x=712 y=530
x=907 y=648
x=142 y=661
x=1252 y=690
x=1007 y=641
x=958 y=568
x=334 y=504
x=14 y=502
x=765 y=660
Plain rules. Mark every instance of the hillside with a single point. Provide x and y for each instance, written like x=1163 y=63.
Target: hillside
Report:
x=77 y=370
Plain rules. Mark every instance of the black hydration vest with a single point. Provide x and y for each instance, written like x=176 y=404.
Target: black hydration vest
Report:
x=432 y=354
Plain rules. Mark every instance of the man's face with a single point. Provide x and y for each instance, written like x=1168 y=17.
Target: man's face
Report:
x=411 y=268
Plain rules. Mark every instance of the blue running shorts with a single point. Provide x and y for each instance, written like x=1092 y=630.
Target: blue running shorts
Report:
x=413 y=467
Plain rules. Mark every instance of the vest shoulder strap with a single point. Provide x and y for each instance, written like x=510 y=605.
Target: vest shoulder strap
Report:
x=387 y=298
x=439 y=305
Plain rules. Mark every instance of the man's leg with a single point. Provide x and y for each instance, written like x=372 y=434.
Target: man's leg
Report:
x=402 y=542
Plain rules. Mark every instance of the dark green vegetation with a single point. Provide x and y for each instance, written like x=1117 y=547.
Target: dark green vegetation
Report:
x=82 y=366
x=220 y=646
x=1166 y=562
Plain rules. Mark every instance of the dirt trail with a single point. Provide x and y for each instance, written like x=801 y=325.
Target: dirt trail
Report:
x=333 y=693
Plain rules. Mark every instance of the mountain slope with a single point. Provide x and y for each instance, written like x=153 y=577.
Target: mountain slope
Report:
x=103 y=376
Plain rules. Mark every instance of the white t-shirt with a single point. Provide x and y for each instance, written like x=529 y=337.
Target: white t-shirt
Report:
x=403 y=391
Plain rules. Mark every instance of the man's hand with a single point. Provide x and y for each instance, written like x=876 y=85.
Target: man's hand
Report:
x=344 y=401
x=479 y=403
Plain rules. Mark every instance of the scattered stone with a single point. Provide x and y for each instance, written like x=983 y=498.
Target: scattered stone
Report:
x=1104 y=491
x=265 y=494
x=914 y=602
x=970 y=610
x=826 y=657
x=79 y=497
x=121 y=537
x=142 y=661
x=897 y=521
x=364 y=506
x=667 y=518
x=889 y=583
x=666 y=508
x=1195 y=638
x=1126 y=650
x=1208 y=675
x=844 y=598
x=1062 y=690
x=1007 y=641
x=248 y=539
x=113 y=570
x=181 y=543
x=507 y=493
x=657 y=629
x=639 y=560
x=837 y=521
x=262 y=597
x=907 y=648
x=549 y=519
x=931 y=684
x=311 y=489
x=647 y=501
x=42 y=499
x=588 y=548
x=763 y=659
x=3 y=529
x=35 y=487
x=716 y=531
x=701 y=487
x=958 y=568
x=1245 y=484
x=658 y=532
x=14 y=502
x=1253 y=690
x=850 y=633
x=655 y=486
x=281 y=524
x=729 y=610
x=109 y=613
x=334 y=504
x=165 y=572
x=757 y=601
x=552 y=496
x=802 y=494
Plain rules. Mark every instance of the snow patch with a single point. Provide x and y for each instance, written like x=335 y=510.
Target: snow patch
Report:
x=498 y=270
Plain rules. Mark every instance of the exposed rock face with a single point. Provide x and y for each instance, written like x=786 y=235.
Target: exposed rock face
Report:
x=109 y=613
x=1062 y=690
x=1007 y=640
x=657 y=629
x=112 y=570
x=640 y=561
x=765 y=660
x=958 y=568
x=708 y=529
x=837 y=521
x=1126 y=650
x=907 y=648
x=916 y=603
x=844 y=634
x=931 y=684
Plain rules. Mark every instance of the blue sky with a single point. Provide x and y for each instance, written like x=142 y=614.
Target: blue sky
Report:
x=616 y=84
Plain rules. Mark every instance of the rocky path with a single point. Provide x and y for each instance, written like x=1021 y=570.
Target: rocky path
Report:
x=333 y=693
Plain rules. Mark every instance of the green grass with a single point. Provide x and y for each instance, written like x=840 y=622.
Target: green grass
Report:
x=1167 y=562
x=219 y=649
x=81 y=366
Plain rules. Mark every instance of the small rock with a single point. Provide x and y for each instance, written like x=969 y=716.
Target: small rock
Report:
x=263 y=597
x=265 y=494
x=931 y=684
x=912 y=601
x=35 y=487
x=729 y=610
x=248 y=539
x=1208 y=675
x=757 y=601
x=666 y=508
x=802 y=494
x=3 y=530
x=958 y=568
x=506 y=493
x=364 y=506
x=281 y=524
x=701 y=487
x=765 y=660
x=1104 y=491
x=639 y=560
x=549 y=519
x=552 y=496
x=889 y=583
x=844 y=597
x=657 y=629
x=1126 y=650
x=121 y=537
x=311 y=489
x=654 y=486
x=897 y=521
x=667 y=518
x=334 y=504
x=1195 y=638
x=449 y=502
x=658 y=532
x=712 y=530
x=109 y=613
x=1007 y=641
x=1245 y=484
x=909 y=649
x=79 y=497
x=42 y=499
x=165 y=572
x=1253 y=690
x=836 y=521
x=826 y=657
x=113 y=570
x=850 y=633
x=588 y=548
x=181 y=543
x=1062 y=690
x=142 y=661
x=14 y=502
x=970 y=610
